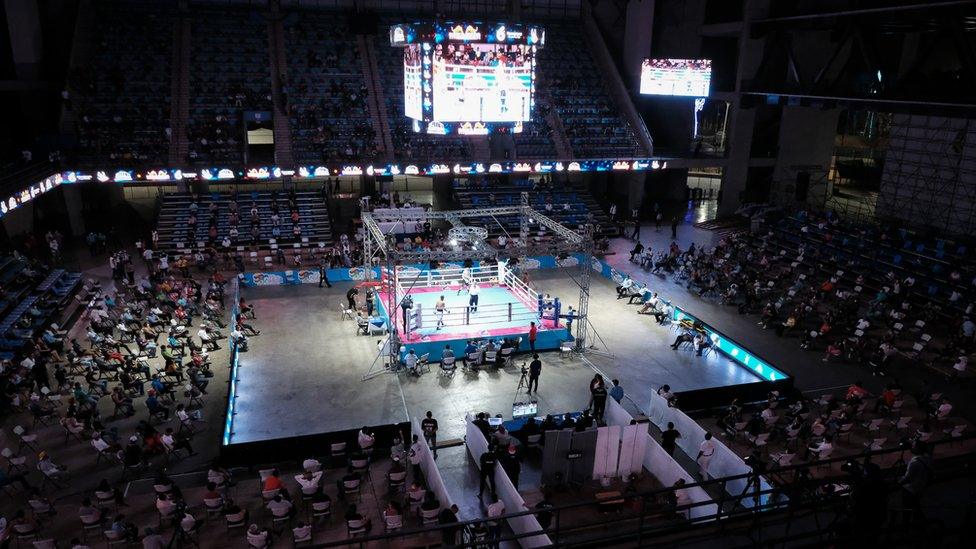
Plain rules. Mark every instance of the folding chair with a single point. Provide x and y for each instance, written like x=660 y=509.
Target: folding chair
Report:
x=25 y=439
x=448 y=365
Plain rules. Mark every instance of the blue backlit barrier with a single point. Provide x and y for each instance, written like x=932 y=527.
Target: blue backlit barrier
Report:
x=730 y=348
x=727 y=346
x=232 y=386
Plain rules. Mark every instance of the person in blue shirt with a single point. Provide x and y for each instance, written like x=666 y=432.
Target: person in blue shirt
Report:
x=152 y=402
x=616 y=392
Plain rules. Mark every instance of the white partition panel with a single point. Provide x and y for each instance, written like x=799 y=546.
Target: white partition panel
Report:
x=607 y=452
x=514 y=503
x=435 y=482
x=657 y=462
x=724 y=461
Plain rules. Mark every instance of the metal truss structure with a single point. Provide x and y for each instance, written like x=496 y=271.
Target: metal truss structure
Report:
x=880 y=55
x=378 y=244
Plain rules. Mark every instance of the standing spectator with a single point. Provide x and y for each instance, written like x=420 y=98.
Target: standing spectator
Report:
x=705 y=451
x=429 y=426
x=914 y=482
x=535 y=368
x=599 y=400
x=495 y=510
x=533 y=334
x=669 y=438
x=487 y=463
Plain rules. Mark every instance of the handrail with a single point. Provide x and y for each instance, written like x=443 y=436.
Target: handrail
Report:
x=725 y=514
x=230 y=409
x=617 y=87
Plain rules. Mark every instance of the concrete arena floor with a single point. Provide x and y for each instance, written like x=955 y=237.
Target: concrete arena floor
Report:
x=302 y=375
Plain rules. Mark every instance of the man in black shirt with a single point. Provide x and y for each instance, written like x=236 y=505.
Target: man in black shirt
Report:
x=487 y=461
x=669 y=439
x=512 y=463
x=599 y=401
x=323 y=276
x=482 y=424
x=351 y=297
x=535 y=368
x=429 y=426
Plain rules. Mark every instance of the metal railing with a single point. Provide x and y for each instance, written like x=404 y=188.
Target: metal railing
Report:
x=796 y=498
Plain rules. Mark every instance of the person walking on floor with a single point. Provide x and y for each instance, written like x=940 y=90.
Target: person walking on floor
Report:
x=533 y=333
x=636 y=215
x=487 y=462
x=669 y=438
x=323 y=276
x=657 y=221
x=599 y=394
x=705 y=451
x=429 y=427
x=535 y=368
x=674 y=228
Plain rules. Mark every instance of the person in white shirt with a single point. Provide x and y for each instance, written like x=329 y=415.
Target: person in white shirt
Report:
x=280 y=507
x=410 y=361
x=502 y=241
x=206 y=340
x=495 y=510
x=624 y=287
x=365 y=439
x=943 y=410
x=308 y=480
x=705 y=451
x=821 y=449
x=311 y=464
x=768 y=415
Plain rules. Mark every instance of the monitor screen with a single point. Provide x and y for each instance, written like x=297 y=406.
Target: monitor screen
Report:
x=482 y=83
x=680 y=77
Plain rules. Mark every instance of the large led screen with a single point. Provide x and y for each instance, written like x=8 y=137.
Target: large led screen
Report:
x=682 y=77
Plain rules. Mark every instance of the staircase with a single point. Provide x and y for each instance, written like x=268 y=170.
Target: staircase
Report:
x=179 y=112
x=615 y=84
x=81 y=54
x=377 y=101
x=279 y=69
x=564 y=150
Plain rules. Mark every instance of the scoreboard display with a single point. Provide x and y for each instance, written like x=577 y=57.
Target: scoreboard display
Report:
x=468 y=78
x=681 y=77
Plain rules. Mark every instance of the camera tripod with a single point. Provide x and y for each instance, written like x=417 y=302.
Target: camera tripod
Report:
x=523 y=384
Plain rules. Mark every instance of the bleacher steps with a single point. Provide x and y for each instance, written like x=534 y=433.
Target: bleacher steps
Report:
x=614 y=83
x=279 y=66
x=180 y=93
x=376 y=105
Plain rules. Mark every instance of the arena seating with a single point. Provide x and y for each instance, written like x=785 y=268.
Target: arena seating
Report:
x=32 y=296
x=535 y=141
x=593 y=125
x=229 y=75
x=175 y=235
x=581 y=205
x=326 y=92
x=123 y=97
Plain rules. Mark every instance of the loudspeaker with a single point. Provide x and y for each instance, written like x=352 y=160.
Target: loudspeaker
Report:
x=802 y=186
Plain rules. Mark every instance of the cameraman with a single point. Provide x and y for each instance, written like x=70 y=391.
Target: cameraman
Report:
x=535 y=368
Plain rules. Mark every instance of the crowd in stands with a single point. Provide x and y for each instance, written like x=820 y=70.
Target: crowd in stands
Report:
x=121 y=100
x=223 y=222
x=567 y=206
x=229 y=75
x=861 y=295
x=326 y=94
x=592 y=122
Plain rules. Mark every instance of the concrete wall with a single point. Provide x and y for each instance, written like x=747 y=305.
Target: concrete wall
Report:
x=806 y=143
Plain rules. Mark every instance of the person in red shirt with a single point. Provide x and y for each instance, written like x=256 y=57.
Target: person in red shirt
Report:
x=273 y=482
x=533 y=332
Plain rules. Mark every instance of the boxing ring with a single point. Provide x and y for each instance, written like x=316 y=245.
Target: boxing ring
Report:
x=411 y=284
x=504 y=308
